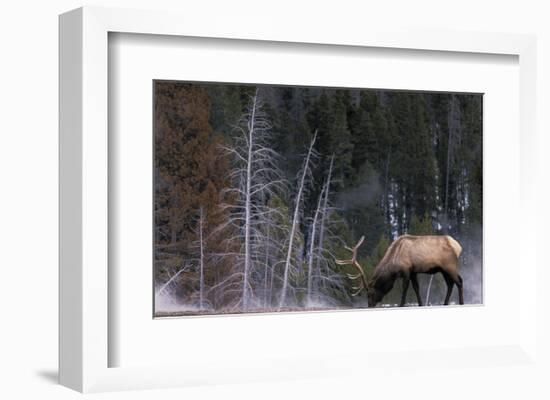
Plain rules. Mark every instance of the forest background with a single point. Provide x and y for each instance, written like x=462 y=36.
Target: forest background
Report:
x=331 y=165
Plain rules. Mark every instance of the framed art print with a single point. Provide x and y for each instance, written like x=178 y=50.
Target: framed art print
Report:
x=165 y=119
x=238 y=206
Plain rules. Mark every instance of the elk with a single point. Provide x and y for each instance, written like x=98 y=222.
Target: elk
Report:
x=407 y=257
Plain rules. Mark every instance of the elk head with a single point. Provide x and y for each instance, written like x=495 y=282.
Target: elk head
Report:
x=362 y=283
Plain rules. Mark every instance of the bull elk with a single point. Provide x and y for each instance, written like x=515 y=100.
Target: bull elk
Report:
x=407 y=257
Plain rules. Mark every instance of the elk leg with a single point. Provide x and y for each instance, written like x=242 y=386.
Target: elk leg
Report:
x=450 y=284
x=457 y=279
x=460 y=290
x=414 y=280
x=406 y=280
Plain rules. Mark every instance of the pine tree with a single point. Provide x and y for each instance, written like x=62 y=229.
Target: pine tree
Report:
x=187 y=164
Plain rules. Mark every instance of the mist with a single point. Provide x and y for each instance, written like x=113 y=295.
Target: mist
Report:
x=167 y=302
x=471 y=267
x=360 y=196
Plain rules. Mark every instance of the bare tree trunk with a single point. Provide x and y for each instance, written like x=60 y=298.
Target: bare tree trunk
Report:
x=248 y=205
x=271 y=281
x=163 y=287
x=256 y=177
x=266 y=265
x=295 y=222
x=324 y=216
x=386 y=195
x=447 y=172
x=201 y=261
x=173 y=215
x=428 y=290
x=312 y=246
x=451 y=125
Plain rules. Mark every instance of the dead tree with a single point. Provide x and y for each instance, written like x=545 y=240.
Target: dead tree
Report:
x=303 y=176
x=256 y=177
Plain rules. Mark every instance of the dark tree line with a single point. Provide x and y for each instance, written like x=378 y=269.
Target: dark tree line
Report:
x=399 y=162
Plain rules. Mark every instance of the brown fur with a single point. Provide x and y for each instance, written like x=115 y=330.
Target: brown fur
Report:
x=410 y=255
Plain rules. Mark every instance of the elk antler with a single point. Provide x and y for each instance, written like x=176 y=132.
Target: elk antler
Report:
x=353 y=261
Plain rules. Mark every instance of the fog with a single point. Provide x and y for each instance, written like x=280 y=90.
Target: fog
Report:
x=363 y=195
x=166 y=302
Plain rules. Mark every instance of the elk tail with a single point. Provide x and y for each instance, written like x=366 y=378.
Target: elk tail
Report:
x=457 y=248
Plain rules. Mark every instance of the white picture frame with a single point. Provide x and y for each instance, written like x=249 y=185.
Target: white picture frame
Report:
x=84 y=211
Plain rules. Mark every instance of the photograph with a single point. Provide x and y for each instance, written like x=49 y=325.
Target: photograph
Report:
x=278 y=198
